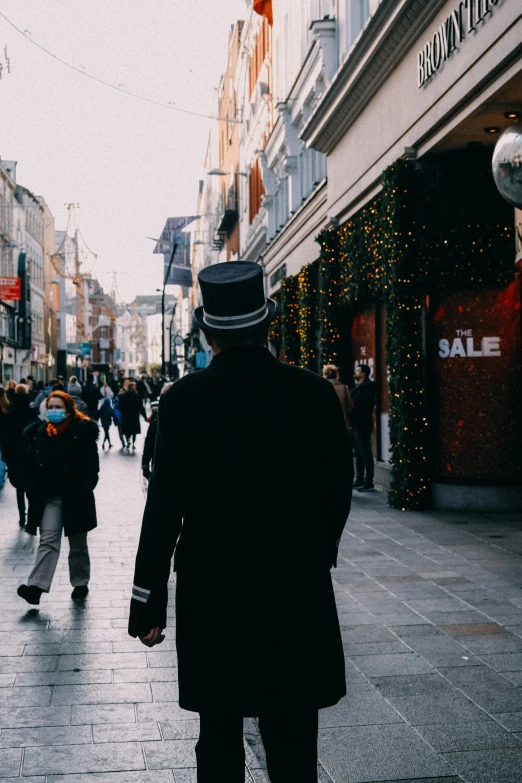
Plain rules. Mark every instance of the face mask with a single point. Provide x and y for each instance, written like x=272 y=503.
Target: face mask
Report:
x=56 y=415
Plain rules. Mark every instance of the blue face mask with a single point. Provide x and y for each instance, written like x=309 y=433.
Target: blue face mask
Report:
x=56 y=415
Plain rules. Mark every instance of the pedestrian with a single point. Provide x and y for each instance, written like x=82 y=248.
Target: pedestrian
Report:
x=331 y=373
x=10 y=391
x=62 y=471
x=19 y=417
x=257 y=628
x=147 y=458
x=142 y=388
x=45 y=392
x=131 y=408
x=361 y=419
x=107 y=416
x=74 y=389
x=117 y=415
x=91 y=396
x=106 y=392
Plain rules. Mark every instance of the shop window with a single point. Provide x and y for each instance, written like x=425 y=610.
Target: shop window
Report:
x=477 y=385
x=258 y=56
x=364 y=347
x=368 y=346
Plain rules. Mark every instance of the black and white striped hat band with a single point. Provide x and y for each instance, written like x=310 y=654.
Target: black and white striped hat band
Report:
x=236 y=321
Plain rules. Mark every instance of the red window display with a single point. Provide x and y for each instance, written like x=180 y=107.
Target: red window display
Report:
x=369 y=347
x=477 y=386
x=364 y=346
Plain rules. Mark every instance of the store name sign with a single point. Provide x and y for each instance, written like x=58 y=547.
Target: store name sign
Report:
x=464 y=346
x=452 y=32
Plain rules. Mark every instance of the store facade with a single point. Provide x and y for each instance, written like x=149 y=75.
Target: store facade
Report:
x=416 y=273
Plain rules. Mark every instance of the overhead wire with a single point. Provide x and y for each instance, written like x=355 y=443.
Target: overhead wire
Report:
x=114 y=86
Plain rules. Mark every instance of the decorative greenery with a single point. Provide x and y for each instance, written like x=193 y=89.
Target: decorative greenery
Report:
x=403 y=289
x=274 y=333
x=289 y=300
x=330 y=300
x=307 y=316
x=436 y=226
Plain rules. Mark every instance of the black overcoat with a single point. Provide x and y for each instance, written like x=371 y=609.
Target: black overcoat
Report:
x=13 y=446
x=253 y=472
x=361 y=415
x=131 y=408
x=66 y=466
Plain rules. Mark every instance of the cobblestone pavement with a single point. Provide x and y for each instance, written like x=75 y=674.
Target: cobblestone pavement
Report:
x=431 y=614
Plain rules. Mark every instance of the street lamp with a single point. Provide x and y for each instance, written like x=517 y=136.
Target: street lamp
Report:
x=173 y=245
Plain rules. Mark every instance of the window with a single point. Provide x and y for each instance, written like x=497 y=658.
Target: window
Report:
x=255 y=191
x=262 y=47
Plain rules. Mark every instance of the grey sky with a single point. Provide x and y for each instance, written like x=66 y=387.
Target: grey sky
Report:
x=127 y=163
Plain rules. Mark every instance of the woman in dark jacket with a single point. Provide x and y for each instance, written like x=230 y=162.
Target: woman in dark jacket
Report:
x=62 y=469
x=131 y=408
x=19 y=417
x=106 y=416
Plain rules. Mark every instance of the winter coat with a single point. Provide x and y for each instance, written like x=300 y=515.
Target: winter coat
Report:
x=65 y=466
x=13 y=443
x=251 y=470
x=80 y=404
x=106 y=414
x=361 y=416
x=91 y=396
x=131 y=408
x=345 y=399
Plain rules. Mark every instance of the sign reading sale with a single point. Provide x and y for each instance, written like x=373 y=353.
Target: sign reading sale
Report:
x=10 y=288
x=477 y=385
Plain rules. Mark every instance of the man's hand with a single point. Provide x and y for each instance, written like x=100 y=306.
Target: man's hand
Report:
x=153 y=637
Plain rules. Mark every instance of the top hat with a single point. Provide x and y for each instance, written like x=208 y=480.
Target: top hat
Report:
x=233 y=297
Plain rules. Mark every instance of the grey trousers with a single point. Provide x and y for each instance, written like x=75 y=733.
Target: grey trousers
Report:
x=51 y=529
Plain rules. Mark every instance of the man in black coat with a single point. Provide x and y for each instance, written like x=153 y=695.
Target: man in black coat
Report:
x=91 y=397
x=249 y=486
x=361 y=419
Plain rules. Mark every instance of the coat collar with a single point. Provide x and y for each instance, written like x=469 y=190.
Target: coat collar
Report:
x=242 y=354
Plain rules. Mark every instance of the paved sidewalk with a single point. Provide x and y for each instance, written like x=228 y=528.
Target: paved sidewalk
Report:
x=431 y=614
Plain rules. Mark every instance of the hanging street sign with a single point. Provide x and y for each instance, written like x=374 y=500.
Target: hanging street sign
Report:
x=10 y=288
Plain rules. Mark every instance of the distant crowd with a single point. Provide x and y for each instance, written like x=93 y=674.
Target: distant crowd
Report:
x=122 y=403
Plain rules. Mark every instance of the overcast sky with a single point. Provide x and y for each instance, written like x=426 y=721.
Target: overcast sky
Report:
x=129 y=164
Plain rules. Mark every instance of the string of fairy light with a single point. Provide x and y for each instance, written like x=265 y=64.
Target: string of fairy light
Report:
x=404 y=245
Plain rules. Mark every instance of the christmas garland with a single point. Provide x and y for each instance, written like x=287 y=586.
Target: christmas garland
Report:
x=307 y=280
x=289 y=300
x=430 y=230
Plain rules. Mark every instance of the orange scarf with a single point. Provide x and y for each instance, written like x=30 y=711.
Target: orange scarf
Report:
x=57 y=429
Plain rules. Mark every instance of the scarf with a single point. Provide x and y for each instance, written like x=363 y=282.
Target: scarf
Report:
x=57 y=429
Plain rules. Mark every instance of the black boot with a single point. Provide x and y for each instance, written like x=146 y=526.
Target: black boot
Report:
x=79 y=592
x=30 y=593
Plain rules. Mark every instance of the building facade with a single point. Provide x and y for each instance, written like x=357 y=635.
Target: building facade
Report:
x=8 y=268
x=415 y=268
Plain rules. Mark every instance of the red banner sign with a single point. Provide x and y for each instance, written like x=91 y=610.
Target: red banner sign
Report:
x=10 y=288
